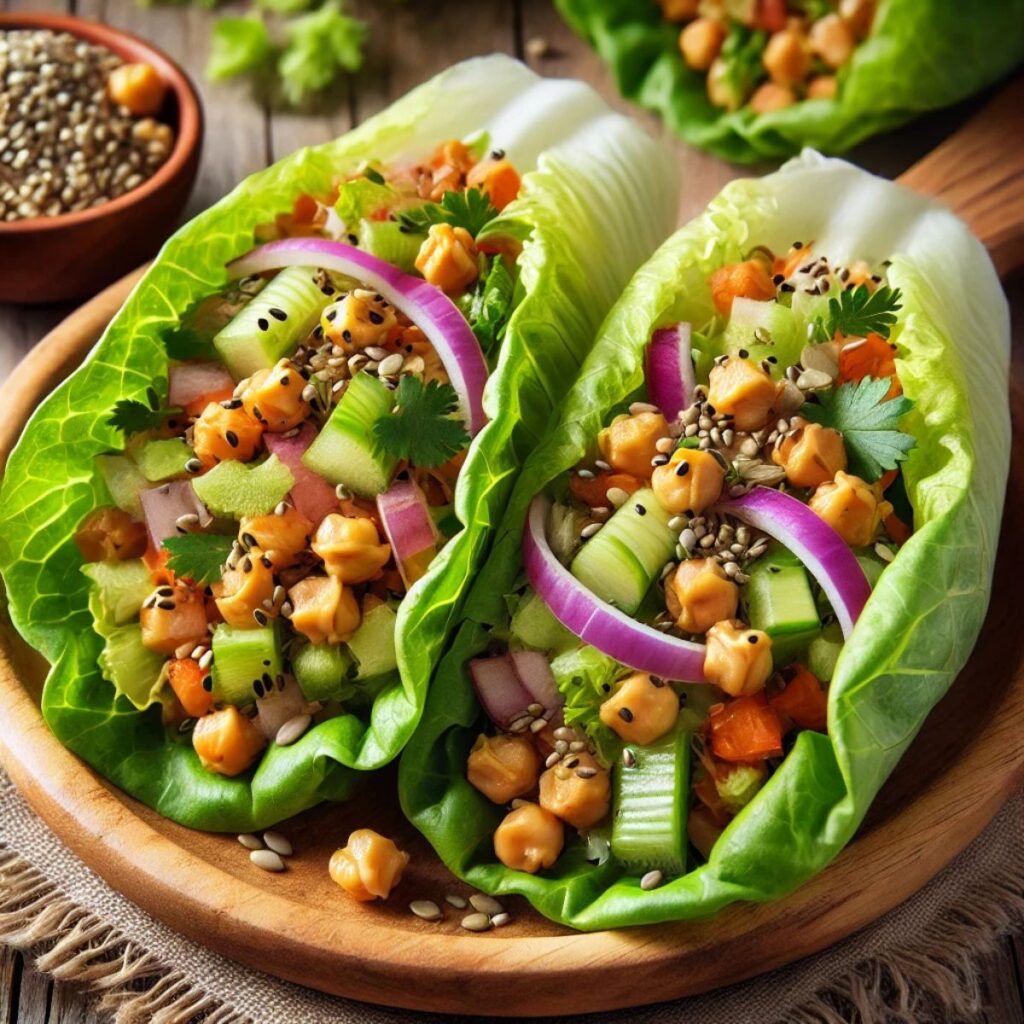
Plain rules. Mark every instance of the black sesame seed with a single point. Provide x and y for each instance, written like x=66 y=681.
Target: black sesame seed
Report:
x=278 y=314
x=798 y=245
x=167 y=606
x=259 y=617
x=266 y=663
x=751 y=639
x=497 y=154
x=346 y=336
x=354 y=239
x=232 y=438
x=248 y=540
x=375 y=317
x=318 y=332
x=263 y=324
x=257 y=687
x=247 y=565
x=743 y=353
x=772 y=359
x=657 y=681
x=606 y=687
x=256 y=412
x=268 y=682
x=640 y=510
x=208 y=684
x=267 y=563
x=285 y=380
x=778 y=278
x=625 y=714
x=683 y=468
x=788 y=288
x=710 y=409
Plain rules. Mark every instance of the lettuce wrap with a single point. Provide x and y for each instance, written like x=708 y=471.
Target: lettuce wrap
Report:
x=589 y=175
x=918 y=625
x=919 y=55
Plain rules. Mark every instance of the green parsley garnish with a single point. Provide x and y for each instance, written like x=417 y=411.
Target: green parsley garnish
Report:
x=491 y=306
x=422 y=428
x=868 y=422
x=199 y=557
x=859 y=312
x=132 y=417
x=471 y=210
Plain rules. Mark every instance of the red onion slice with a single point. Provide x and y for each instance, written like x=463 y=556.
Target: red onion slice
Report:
x=162 y=506
x=669 y=370
x=534 y=671
x=405 y=516
x=499 y=690
x=311 y=494
x=189 y=381
x=426 y=305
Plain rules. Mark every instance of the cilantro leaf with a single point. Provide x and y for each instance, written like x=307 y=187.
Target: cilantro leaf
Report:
x=491 y=306
x=471 y=210
x=868 y=422
x=132 y=417
x=238 y=46
x=859 y=312
x=320 y=46
x=198 y=556
x=422 y=428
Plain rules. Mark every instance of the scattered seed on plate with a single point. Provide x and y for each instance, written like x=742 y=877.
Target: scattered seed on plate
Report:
x=458 y=902
x=538 y=725
x=428 y=910
x=278 y=843
x=500 y=920
x=267 y=860
x=476 y=922
x=485 y=904
x=250 y=842
x=651 y=880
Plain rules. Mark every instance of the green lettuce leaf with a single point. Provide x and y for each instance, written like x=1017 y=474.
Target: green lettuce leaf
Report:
x=925 y=612
x=921 y=55
x=589 y=175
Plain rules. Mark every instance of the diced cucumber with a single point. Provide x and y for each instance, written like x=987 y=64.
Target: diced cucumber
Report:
x=121 y=588
x=163 y=460
x=824 y=652
x=124 y=480
x=650 y=804
x=621 y=561
x=807 y=309
x=386 y=240
x=775 y=323
x=246 y=663
x=780 y=602
x=344 y=452
x=322 y=671
x=236 y=489
x=373 y=644
x=534 y=625
x=257 y=337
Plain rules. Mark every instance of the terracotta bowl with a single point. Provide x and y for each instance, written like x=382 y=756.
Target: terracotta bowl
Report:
x=49 y=259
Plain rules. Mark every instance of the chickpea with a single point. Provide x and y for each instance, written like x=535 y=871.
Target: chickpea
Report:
x=737 y=660
x=282 y=538
x=350 y=547
x=679 y=10
x=582 y=800
x=642 y=709
x=138 y=87
x=174 y=619
x=221 y=434
x=771 y=96
x=690 y=481
x=227 y=742
x=323 y=610
x=721 y=88
x=369 y=867
x=109 y=534
x=274 y=397
x=701 y=42
x=529 y=838
x=812 y=456
x=740 y=388
x=703 y=593
x=822 y=87
x=630 y=443
x=503 y=767
x=448 y=258
x=858 y=15
x=358 y=320
x=244 y=590
x=832 y=40
x=449 y=165
x=853 y=508
x=787 y=57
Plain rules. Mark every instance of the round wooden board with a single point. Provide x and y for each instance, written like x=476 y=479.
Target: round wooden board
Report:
x=300 y=926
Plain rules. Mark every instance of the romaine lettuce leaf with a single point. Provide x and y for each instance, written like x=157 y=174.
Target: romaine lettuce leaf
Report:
x=921 y=55
x=591 y=177
x=923 y=616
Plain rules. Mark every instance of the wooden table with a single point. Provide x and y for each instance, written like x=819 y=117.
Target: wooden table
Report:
x=409 y=42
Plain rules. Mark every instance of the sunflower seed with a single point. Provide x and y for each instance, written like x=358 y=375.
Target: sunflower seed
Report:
x=267 y=860
x=278 y=843
x=589 y=530
x=552 y=759
x=476 y=922
x=391 y=365
x=485 y=904
x=428 y=910
x=651 y=880
x=292 y=730
x=617 y=496
x=458 y=902
x=884 y=552
x=250 y=842
x=637 y=408
x=500 y=920
x=811 y=379
x=538 y=726
x=376 y=352
x=666 y=445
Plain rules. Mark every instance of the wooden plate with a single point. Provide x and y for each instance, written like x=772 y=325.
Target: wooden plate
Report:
x=968 y=758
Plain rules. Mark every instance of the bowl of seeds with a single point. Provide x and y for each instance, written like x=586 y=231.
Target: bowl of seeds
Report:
x=100 y=135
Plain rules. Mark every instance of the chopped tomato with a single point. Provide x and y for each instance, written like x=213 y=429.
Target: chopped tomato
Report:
x=872 y=357
x=594 y=491
x=187 y=681
x=745 y=729
x=802 y=700
x=772 y=15
x=748 y=279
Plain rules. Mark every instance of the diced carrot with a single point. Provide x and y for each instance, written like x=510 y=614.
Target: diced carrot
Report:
x=174 y=620
x=789 y=264
x=594 y=491
x=772 y=15
x=803 y=701
x=187 y=679
x=896 y=529
x=227 y=742
x=745 y=729
x=156 y=562
x=200 y=402
x=872 y=357
x=497 y=179
x=109 y=534
x=747 y=279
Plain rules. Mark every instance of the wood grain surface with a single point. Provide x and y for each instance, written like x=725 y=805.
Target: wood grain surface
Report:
x=964 y=762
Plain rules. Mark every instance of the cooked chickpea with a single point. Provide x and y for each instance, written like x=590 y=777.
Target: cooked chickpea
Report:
x=811 y=456
x=577 y=790
x=742 y=389
x=703 y=594
x=822 y=87
x=274 y=397
x=358 y=320
x=350 y=547
x=858 y=15
x=175 y=618
x=853 y=508
x=529 y=838
x=787 y=57
x=109 y=534
x=503 y=767
x=221 y=434
x=447 y=170
x=323 y=610
x=448 y=258
x=244 y=590
x=630 y=443
x=771 y=96
x=721 y=88
x=832 y=40
x=227 y=742
x=690 y=481
x=679 y=10
x=138 y=87
x=701 y=42
x=282 y=538
x=736 y=659
x=642 y=709
x=369 y=867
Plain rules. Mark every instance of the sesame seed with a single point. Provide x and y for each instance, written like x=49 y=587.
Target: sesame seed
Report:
x=231 y=437
x=640 y=510
x=683 y=468
x=260 y=617
x=278 y=314
x=585 y=474
x=500 y=920
x=628 y=758
x=167 y=606
x=589 y=530
x=263 y=324
x=625 y=714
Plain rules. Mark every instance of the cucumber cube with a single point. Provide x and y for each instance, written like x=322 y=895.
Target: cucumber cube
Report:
x=780 y=602
x=246 y=663
x=322 y=671
x=163 y=460
x=237 y=489
x=373 y=644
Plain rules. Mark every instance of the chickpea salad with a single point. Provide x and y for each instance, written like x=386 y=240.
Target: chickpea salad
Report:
x=752 y=557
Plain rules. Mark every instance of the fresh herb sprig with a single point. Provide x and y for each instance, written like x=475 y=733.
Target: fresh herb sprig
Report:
x=422 y=428
x=869 y=423
x=198 y=556
x=472 y=210
x=491 y=305
x=133 y=417
x=859 y=312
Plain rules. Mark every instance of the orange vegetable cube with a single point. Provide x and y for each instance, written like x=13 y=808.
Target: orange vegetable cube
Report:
x=109 y=534
x=749 y=279
x=497 y=179
x=741 y=389
x=188 y=681
x=802 y=700
x=227 y=742
x=629 y=443
x=745 y=729
x=221 y=434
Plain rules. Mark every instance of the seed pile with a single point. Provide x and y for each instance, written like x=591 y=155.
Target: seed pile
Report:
x=485 y=911
x=64 y=144
x=269 y=852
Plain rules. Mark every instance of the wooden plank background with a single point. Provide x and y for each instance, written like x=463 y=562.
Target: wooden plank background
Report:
x=409 y=42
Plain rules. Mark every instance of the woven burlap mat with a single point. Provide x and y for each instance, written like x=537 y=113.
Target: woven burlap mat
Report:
x=916 y=964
